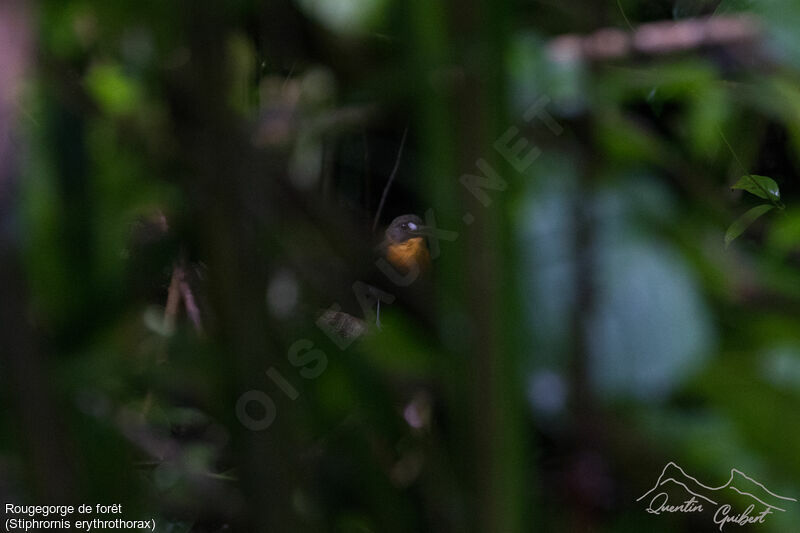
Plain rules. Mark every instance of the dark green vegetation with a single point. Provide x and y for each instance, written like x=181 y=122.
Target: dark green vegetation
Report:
x=188 y=192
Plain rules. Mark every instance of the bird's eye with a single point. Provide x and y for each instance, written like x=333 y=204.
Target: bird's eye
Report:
x=404 y=226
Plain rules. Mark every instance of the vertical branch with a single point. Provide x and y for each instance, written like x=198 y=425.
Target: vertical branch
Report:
x=226 y=203
x=584 y=290
x=585 y=436
x=484 y=394
x=585 y=267
x=38 y=419
x=492 y=388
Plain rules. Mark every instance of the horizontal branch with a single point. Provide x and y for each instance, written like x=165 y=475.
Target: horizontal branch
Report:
x=656 y=38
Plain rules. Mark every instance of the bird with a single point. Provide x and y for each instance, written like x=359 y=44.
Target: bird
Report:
x=404 y=259
x=405 y=246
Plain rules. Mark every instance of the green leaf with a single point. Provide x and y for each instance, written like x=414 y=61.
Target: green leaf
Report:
x=744 y=221
x=116 y=92
x=761 y=186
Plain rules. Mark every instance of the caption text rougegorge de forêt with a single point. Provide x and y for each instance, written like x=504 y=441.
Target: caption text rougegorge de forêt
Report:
x=84 y=517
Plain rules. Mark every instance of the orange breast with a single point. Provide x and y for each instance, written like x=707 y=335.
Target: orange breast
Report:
x=403 y=256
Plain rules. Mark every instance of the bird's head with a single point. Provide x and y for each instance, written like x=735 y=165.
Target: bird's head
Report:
x=404 y=228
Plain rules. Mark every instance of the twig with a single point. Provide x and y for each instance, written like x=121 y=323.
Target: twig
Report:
x=288 y=76
x=173 y=298
x=655 y=38
x=733 y=152
x=191 y=306
x=624 y=16
x=390 y=180
x=179 y=289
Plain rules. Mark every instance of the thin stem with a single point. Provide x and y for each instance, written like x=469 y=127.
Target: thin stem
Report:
x=191 y=307
x=173 y=298
x=747 y=173
x=733 y=152
x=389 y=182
x=624 y=16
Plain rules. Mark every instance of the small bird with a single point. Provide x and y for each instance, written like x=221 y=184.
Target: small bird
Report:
x=404 y=263
x=404 y=245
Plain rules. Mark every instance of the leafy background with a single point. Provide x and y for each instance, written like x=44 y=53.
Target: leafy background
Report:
x=611 y=309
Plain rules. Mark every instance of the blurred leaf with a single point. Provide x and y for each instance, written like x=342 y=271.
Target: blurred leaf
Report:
x=636 y=274
x=736 y=386
x=761 y=186
x=744 y=221
x=67 y=27
x=336 y=392
x=346 y=16
x=198 y=458
x=673 y=82
x=708 y=109
x=623 y=138
x=784 y=235
x=242 y=60
x=115 y=92
x=399 y=347
x=781 y=99
x=780 y=366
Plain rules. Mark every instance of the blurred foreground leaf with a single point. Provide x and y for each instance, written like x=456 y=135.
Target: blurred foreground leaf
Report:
x=784 y=235
x=744 y=221
x=115 y=91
